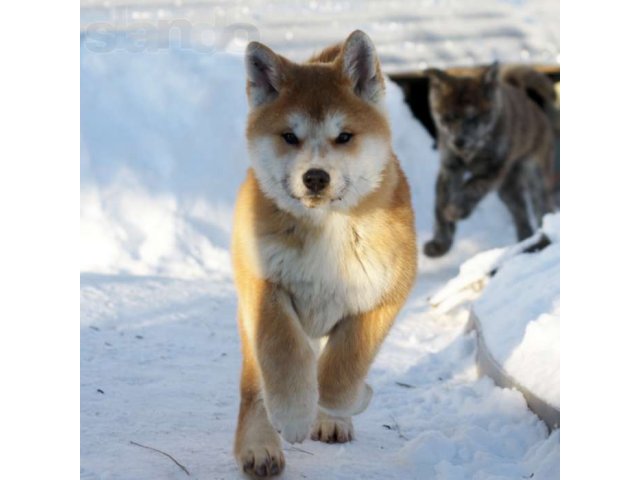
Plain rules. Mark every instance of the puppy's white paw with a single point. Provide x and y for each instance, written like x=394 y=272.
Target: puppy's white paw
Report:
x=261 y=460
x=330 y=429
x=293 y=416
x=295 y=430
x=293 y=426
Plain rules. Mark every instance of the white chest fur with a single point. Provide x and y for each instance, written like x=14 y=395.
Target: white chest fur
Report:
x=337 y=272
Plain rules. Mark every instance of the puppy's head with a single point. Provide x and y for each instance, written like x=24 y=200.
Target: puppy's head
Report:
x=464 y=109
x=318 y=135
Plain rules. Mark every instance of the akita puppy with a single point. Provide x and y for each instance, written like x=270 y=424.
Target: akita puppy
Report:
x=323 y=246
x=496 y=131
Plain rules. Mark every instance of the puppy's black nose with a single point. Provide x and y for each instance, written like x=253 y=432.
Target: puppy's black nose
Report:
x=316 y=180
x=459 y=142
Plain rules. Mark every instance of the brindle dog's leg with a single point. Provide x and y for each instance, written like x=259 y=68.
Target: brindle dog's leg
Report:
x=448 y=180
x=512 y=194
x=541 y=200
x=464 y=200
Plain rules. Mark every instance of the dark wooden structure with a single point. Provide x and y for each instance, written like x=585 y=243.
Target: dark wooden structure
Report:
x=416 y=90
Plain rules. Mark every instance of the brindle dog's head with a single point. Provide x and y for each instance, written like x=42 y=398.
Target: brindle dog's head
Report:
x=464 y=109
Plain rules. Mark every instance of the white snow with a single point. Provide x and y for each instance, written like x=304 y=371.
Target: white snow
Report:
x=409 y=34
x=519 y=313
x=162 y=155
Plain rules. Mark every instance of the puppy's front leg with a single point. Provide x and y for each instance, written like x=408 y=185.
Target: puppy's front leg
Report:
x=448 y=182
x=463 y=202
x=288 y=366
x=466 y=198
x=342 y=369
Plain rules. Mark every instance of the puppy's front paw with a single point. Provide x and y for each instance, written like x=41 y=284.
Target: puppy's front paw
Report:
x=292 y=418
x=294 y=429
x=261 y=460
x=331 y=429
x=436 y=248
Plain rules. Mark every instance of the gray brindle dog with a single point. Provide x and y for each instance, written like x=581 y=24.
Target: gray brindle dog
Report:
x=496 y=131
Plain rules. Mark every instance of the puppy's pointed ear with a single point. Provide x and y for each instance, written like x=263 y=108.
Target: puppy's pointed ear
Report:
x=264 y=74
x=361 y=66
x=437 y=78
x=490 y=76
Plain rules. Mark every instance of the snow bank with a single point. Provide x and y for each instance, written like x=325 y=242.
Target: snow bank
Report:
x=461 y=443
x=161 y=158
x=519 y=313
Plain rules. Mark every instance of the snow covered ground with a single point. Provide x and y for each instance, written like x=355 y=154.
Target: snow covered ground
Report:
x=162 y=155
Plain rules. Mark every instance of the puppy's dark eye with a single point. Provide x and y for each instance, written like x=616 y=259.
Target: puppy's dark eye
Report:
x=448 y=117
x=344 y=137
x=290 y=138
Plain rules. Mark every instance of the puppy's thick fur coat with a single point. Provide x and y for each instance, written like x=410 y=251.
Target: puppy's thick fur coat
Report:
x=323 y=247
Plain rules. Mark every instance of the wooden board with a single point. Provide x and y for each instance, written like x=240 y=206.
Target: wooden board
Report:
x=415 y=85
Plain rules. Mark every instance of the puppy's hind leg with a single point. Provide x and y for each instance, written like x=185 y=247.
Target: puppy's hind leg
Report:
x=537 y=185
x=512 y=194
